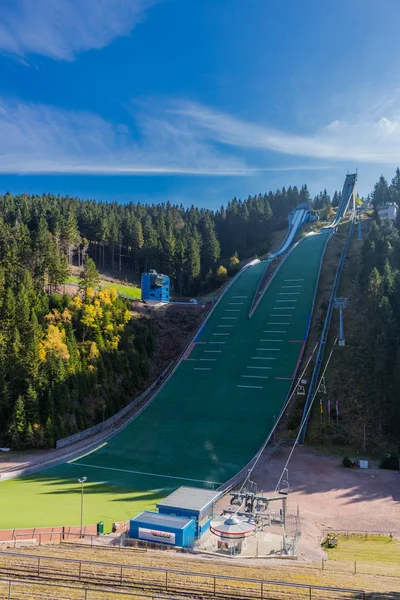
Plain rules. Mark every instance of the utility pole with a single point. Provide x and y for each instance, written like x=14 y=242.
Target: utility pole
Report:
x=82 y=481
x=365 y=437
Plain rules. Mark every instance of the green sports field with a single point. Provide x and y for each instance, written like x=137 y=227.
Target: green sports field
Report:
x=208 y=421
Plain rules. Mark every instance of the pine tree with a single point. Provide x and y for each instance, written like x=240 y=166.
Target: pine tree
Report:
x=88 y=277
x=32 y=406
x=211 y=249
x=193 y=259
x=18 y=423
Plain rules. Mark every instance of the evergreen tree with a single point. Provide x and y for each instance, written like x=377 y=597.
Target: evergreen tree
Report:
x=18 y=423
x=88 y=277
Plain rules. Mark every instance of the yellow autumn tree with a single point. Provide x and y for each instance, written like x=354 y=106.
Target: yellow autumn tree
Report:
x=55 y=342
x=93 y=351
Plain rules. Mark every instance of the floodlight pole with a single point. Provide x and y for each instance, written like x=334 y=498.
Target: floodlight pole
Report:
x=82 y=481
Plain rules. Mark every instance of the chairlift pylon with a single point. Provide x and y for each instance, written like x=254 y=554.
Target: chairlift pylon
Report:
x=322 y=386
x=301 y=390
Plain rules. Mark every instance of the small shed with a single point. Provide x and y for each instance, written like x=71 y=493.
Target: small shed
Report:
x=190 y=502
x=163 y=529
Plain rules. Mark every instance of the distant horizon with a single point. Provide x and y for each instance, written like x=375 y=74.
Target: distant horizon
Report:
x=159 y=197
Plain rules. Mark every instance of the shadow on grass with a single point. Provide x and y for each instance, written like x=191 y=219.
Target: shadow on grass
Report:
x=73 y=487
x=382 y=596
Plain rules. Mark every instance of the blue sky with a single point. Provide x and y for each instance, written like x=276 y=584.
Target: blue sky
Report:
x=196 y=101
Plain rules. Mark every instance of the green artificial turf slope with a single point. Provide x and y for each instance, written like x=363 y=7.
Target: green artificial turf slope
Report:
x=210 y=418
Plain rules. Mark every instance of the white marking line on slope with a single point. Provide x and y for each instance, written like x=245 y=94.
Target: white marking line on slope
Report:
x=272 y=323
x=270 y=349
x=272 y=331
x=212 y=350
x=201 y=368
x=258 y=367
x=233 y=297
x=229 y=318
x=262 y=357
x=232 y=310
x=142 y=473
x=294 y=279
x=289 y=293
x=219 y=342
x=208 y=359
x=291 y=286
x=224 y=325
x=264 y=340
x=221 y=334
x=288 y=300
x=256 y=376
x=235 y=303
x=253 y=387
x=284 y=308
x=279 y=316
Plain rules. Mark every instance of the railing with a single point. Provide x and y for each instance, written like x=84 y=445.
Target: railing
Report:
x=168 y=580
x=361 y=532
x=324 y=339
x=13 y=589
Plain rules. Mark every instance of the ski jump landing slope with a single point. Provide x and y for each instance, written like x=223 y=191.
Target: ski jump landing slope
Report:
x=215 y=412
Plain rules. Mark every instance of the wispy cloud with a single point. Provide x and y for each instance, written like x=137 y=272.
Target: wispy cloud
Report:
x=181 y=139
x=371 y=136
x=44 y=139
x=61 y=29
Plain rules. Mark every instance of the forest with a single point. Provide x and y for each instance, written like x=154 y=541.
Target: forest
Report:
x=185 y=243
x=67 y=362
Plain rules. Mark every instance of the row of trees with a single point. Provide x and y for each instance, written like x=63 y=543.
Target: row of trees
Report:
x=380 y=281
x=384 y=192
x=185 y=243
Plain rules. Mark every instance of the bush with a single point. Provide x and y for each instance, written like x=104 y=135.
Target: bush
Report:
x=221 y=274
x=390 y=461
x=346 y=462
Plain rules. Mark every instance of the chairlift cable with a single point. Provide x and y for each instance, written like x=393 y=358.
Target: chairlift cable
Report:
x=258 y=456
x=304 y=420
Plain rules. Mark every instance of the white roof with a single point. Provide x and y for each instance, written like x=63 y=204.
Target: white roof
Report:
x=190 y=498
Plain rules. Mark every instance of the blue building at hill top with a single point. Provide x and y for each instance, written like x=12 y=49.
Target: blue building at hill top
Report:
x=155 y=287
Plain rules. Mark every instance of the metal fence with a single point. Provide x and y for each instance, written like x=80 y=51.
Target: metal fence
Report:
x=362 y=532
x=165 y=580
x=13 y=589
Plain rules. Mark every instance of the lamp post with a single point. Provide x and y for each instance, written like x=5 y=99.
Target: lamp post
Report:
x=82 y=481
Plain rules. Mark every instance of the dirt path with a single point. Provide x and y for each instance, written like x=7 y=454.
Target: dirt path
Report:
x=331 y=497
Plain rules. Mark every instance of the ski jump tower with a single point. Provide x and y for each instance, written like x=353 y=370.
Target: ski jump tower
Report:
x=348 y=201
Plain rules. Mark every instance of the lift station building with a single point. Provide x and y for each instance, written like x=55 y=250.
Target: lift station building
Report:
x=183 y=516
x=155 y=287
x=195 y=503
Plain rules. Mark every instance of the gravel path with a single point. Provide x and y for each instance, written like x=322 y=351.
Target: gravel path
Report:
x=331 y=497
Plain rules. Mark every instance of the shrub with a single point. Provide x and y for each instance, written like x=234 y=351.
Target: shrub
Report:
x=390 y=461
x=346 y=462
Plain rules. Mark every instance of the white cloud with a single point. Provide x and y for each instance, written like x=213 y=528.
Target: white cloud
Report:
x=44 y=139
x=185 y=139
x=60 y=29
x=366 y=138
